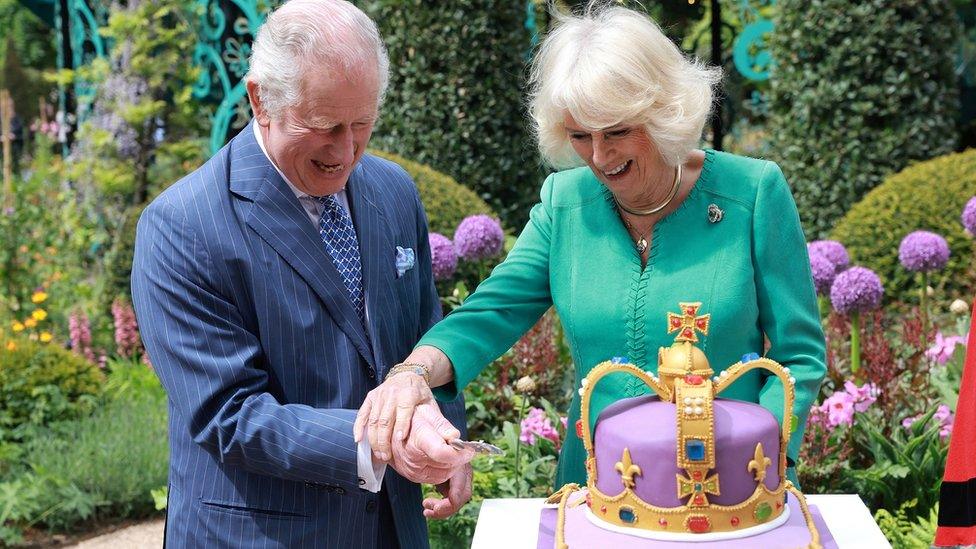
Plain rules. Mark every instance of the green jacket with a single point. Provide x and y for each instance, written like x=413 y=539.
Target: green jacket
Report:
x=750 y=271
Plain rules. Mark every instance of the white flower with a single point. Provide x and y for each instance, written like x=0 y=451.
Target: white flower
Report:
x=959 y=307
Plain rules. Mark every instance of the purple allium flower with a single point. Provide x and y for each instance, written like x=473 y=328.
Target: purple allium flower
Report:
x=832 y=250
x=855 y=290
x=442 y=256
x=824 y=272
x=478 y=237
x=923 y=251
x=969 y=216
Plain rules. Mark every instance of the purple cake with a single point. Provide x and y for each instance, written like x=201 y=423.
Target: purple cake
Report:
x=684 y=466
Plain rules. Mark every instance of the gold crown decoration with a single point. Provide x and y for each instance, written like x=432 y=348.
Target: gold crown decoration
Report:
x=685 y=379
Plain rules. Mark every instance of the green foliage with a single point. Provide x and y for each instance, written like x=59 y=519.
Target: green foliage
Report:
x=904 y=532
x=445 y=201
x=40 y=384
x=455 y=101
x=102 y=466
x=925 y=196
x=859 y=91
x=28 y=52
x=900 y=465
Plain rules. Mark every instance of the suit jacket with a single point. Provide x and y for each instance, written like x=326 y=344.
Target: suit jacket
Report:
x=264 y=358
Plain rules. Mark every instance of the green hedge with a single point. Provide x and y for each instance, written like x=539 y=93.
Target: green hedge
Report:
x=859 y=90
x=928 y=196
x=455 y=101
x=41 y=383
x=446 y=201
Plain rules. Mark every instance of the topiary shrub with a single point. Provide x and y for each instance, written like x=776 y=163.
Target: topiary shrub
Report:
x=455 y=102
x=928 y=196
x=859 y=90
x=447 y=202
x=42 y=383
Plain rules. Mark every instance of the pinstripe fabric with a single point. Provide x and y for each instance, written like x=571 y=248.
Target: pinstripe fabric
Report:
x=263 y=356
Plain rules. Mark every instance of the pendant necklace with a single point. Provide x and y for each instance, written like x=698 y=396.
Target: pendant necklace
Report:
x=641 y=243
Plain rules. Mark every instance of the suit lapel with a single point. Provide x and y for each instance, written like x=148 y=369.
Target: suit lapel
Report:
x=376 y=252
x=280 y=220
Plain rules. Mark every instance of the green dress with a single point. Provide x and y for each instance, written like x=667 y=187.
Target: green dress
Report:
x=750 y=271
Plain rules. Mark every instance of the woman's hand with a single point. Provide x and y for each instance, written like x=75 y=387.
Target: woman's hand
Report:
x=388 y=409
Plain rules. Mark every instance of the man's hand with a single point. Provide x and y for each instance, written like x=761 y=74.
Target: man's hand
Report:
x=425 y=456
x=456 y=492
x=387 y=411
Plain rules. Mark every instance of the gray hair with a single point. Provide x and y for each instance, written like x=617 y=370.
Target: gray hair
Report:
x=612 y=65
x=322 y=34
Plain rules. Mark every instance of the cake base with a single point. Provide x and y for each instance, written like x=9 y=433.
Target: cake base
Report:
x=581 y=533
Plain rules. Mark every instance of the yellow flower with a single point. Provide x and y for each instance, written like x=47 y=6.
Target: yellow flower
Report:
x=30 y=322
x=11 y=346
x=45 y=337
x=39 y=297
x=17 y=326
x=39 y=315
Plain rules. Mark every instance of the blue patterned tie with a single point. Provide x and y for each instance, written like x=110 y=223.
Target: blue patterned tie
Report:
x=335 y=227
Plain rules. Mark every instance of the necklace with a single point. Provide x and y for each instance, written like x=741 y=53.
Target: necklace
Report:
x=641 y=243
x=662 y=205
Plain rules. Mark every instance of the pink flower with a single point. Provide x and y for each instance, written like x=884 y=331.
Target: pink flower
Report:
x=839 y=408
x=537 y=424
x=126 y=329
x=943 y=414
x=863 y=396
x=943 y=348
x=79 y=330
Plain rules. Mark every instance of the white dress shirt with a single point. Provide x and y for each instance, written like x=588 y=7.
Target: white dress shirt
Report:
x=369 y=471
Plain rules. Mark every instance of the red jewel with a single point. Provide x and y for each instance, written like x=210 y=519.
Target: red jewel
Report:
x=699 y=499
x=700 y=323
x=579 y=428
x=778 y=505
x=735 y=521
x=699 y=525
x=697 y=475
x=603 y=509
x=675 y=322
x=662 y=522
x=692 y=379
x=589 y=501
x=687 y=332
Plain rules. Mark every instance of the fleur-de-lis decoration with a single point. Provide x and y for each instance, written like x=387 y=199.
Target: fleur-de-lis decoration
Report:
x=627 y=470
x=759 y=463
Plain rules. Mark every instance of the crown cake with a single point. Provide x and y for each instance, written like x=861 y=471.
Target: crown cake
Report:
x=682 y=464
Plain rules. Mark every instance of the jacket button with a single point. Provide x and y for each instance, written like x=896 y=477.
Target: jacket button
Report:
x=371 y=374
x=370 y=506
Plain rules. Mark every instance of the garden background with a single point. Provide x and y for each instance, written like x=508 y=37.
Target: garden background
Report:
x=868 y=106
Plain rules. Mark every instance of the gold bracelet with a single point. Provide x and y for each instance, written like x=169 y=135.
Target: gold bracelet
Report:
x=421 y=370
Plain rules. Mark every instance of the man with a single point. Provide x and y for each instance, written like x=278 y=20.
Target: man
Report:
x=274 y=287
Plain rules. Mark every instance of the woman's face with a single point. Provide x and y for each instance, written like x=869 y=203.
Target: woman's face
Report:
x=621 y=156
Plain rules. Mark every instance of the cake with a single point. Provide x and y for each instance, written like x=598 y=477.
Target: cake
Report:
x=681 y=466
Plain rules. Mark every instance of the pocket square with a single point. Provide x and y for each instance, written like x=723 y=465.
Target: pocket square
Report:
x=404 y=260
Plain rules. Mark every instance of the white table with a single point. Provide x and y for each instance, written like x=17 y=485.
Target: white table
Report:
x=514 y=523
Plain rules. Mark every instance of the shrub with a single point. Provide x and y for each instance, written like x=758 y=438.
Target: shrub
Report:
x=859 y=90
x=42 y=383
x=926 y=196
x=455 y=101
x=446 y=201
x=100 y=467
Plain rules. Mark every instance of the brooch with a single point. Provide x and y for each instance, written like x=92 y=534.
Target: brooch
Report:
x=715 y=213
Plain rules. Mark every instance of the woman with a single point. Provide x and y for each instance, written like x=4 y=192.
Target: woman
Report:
x=646 y=222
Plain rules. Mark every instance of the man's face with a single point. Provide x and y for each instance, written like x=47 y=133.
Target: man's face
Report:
x=318 y=142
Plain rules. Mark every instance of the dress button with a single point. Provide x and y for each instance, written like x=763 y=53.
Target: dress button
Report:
x=371 y=374
x=370 y=506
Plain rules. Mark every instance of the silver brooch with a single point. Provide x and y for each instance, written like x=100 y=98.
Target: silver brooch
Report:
x=715 y=213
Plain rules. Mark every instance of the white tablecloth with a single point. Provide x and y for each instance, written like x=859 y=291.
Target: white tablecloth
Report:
x=514 y=523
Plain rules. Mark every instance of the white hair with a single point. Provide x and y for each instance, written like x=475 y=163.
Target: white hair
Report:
x=302 y=35
x=612 y=65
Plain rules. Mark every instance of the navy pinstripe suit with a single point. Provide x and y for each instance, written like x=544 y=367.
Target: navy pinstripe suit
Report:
x=263 y=356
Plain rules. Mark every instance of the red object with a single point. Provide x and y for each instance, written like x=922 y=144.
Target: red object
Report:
x=589 y=500
x=957 y=500
x=778 y=505
x=662 y=522
x=691 y=379
x=697 y=475
x=699 y=525
x=699 y=500
x=603 y=509
x=687 y=333
x=579 y=428
x=735 y=521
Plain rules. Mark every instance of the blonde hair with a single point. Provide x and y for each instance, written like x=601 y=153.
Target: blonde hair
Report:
x=612 y=65
x=321 y=34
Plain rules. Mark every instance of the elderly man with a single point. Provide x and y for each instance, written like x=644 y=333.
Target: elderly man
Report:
x=275 y=286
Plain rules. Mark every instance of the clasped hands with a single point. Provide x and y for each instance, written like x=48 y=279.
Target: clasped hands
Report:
x=406 y=429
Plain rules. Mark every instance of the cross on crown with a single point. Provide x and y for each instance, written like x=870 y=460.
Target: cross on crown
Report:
x=688 y=322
